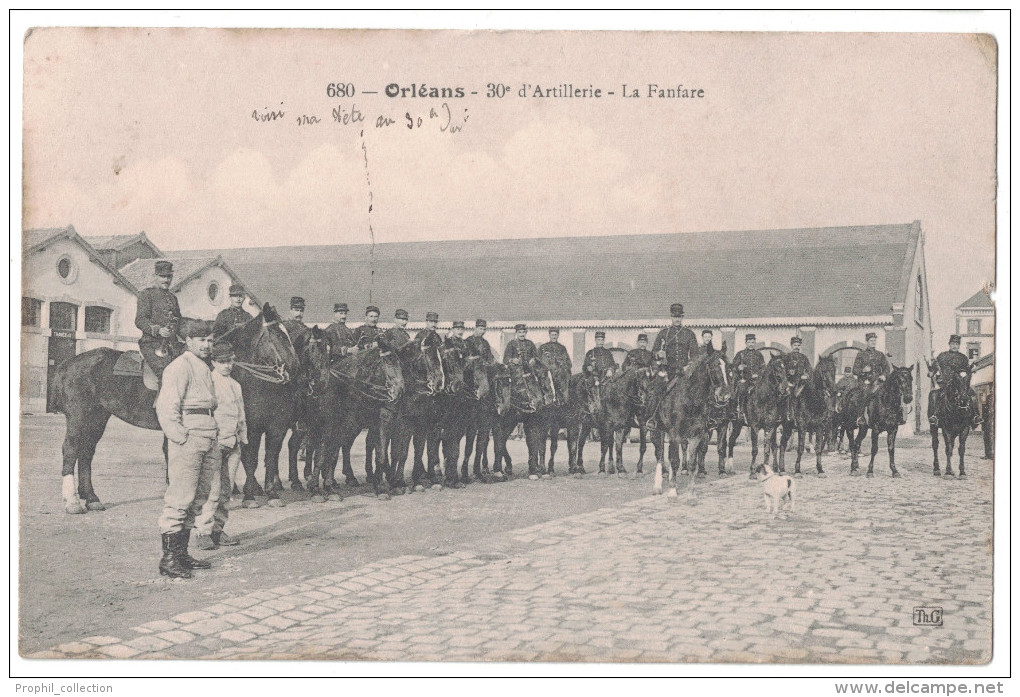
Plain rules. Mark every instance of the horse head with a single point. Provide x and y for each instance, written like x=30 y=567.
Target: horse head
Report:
x=775 y=378
x=422 y=364
x=635 y=385
x=453 y=364
x=315 y=354
x=956 y=385
x=900 y=387
x=711 y=374
x=265 y=350
x=476 y=376
x=824 y=380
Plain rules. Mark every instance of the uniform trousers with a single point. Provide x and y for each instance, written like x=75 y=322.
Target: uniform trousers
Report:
x=191 y=468
x=213 y=517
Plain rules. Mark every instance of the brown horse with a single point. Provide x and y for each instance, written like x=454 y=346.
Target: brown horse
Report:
x=885 y=409
x=951 y=407
x=813 y=412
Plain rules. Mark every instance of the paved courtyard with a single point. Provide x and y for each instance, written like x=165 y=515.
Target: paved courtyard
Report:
x=703 y=577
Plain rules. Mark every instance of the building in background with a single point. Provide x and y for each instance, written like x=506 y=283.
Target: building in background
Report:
x=975 y=323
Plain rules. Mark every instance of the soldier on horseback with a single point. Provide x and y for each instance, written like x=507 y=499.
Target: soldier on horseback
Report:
x=456 y=338
x=748 y=366
x=521 y=357
x=157 y=315
x=397 y=336
x=295 y=326
x=871 y=368
x=367 y=333
x=340 y=336
x=947 y=363
x=234 y=315
x=640 y=357
x=706 y=341
x=429 y=336
x=477 y=344
x=798 y=370
x=553 y=352
x=674 y=347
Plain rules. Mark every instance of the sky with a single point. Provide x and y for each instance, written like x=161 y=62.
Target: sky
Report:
x=128 y=130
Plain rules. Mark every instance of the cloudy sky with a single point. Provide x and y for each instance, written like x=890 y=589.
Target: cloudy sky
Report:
x=129 y=130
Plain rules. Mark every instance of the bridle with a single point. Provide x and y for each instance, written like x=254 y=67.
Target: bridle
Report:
x=277 y=373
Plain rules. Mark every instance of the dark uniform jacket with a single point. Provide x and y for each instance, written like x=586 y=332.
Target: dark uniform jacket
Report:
x=679 y=346
x=554 y=353
x=478 y=346
x=428 y=337
x=749 y=364
x=638 y=358
x=952 y=362
x=296 y=329
x=522 y=351
x=600 y=362
x=397 y=337
x=454 y=342
x=230 y=318
x=870 y=364
x=796 y=364
x=341 y=337
x=156 y=309
x=365 y=335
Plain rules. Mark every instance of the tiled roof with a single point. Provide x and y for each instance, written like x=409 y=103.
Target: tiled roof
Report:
x=979 y=300
x=33 y=240
x=819 y=272
x=141 y=272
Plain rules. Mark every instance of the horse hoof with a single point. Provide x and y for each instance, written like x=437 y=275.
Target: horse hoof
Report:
x=869 y=475
x=822 y=475
x=752 y=476
x=249 y=503
x=961 y=476
x=275 y=503
x=419 y=487
x=317 y=498
x=533 y=477
x=896 y=475
x=399 y=491
x=671 y=494
x=96 y=506
x=383 y=497
x=949 y=474
x=437 y=487
x=701 y=475
x=74 y=508
x=546 y=476
x=351 y=481
x=798 y=475
x=296 y=486
x=936 y=473
x=579 y=475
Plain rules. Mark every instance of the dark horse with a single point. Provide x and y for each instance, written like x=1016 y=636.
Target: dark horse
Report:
x=813 y=413
x=480 y=423
x=884 y=409
x=313 y=354
x=87 y=392
x=267 y=367
x=449 y=413
x=766 y=405
x=556 y=413
x=613 y=411
x=458 y=407
x=421 y=364
x=518 y=402
x=952 y=411
x=684 y=414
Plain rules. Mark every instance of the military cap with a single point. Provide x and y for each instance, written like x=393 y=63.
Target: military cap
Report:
x=520 y=327
x=796 y=340
x=706 y=331
x=676 y=310
x=236 y=289
x=222 y=351
x=847 y=370
x=481 y=323
x=431 y=316
x=954 y=338
x=749 y=337
x=297 y=303
x=192 y=328
x=600 y=334
x=642 y=337
x=554 y=329
x=372 y=308
x=870 y=335
x=340 y=307
x=401 y=314
x=458 y=324
x=164 y=268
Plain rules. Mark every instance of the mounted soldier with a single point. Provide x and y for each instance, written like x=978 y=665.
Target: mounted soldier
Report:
x=706 y=341
x=947 y=363
x=553 y=352
x=477 y=344
x=397 y=336
x=640 y=357
x=158 y=315
x=295 y=326
x=456 y=338
x=674 y=348
x=429 y=336
x=798 y=372
x=748 y=366
x=599 y=363
x=340 y=336
x=521 y=357
x=234 y=315
x=365 y=336
x=871 y=368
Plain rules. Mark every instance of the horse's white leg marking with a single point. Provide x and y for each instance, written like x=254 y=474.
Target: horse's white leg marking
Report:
x=69 y=492
x=657 y=487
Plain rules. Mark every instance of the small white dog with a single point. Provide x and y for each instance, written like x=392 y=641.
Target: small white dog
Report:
x=777 y=487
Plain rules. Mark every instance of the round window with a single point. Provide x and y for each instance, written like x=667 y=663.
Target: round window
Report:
x=214 y=291
x=66 y=269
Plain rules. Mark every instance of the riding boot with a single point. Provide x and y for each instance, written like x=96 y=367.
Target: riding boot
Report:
x=170 y=565
x=975 y=415
x=186 y=559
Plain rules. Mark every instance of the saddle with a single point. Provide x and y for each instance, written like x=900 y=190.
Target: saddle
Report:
x=130 y=364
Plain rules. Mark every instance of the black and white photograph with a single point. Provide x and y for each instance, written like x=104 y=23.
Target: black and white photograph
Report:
x=507 y=350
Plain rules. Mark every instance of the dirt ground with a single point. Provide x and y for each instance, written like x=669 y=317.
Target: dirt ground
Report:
x=96 y=573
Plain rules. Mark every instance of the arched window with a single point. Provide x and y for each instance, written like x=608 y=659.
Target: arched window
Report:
x=213 y=291
x=919 y=299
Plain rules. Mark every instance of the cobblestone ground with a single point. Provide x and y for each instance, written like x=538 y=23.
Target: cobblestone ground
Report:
x=703 y=577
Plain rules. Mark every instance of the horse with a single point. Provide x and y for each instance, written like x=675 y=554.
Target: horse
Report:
x=884 y=409
x=952 y=413
x=422 y=366
x=481 y=419
x=363 y=390
x=526 y=402
x=313 y=350
x=555 y=413
x=766 y=404
x=613 y=411
x=88 y=391
x=457 y=407
x=685 y=410
x=266 y=367
x=813 y=412
x=448 y=422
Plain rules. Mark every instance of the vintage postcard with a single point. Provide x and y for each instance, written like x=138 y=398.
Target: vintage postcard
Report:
x=574 y=347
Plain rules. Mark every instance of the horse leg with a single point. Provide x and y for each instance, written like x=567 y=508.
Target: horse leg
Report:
x=294 y=443
x=854 y=439
x=784 y=443
x=469 y=446
x=949 y=441
x=94 y=428
x=250 y=461
x=554 y=444
x=890 y=441
x=753 y=432
x=963 y=447
x=800 y=450
x=935 y=451
x=436 y=469
x=642 y=448
x=274 y=444
x=823 y=446
x=618 y=438
x=874 y=451
x=657 y=446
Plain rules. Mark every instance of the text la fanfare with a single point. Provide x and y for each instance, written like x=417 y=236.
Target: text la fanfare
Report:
x=570 y=91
